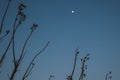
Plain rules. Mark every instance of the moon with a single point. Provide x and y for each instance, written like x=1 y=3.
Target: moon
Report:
x=73 y=11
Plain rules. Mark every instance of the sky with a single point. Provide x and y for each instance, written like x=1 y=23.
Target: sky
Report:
x=93 y=28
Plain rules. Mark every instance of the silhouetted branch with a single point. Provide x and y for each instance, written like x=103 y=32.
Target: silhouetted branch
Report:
x=29 y=68
x=5 y=52
x=1 y=27
x=75 y=60
x=4 y=15
x=20 y=17
x=26 y=41
x=18 y=61
x=14 y=70
x=76 y=53
x=7 y=32
x=84 y=67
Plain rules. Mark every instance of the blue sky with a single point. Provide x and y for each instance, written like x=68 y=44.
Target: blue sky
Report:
x=94 y=28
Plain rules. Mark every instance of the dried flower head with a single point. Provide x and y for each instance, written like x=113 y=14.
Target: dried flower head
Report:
x=21 y=17
x=69 y=78
x=110 y=72
x=21 y=7
x=110 y=77
x=7 y=31
x=34 y=27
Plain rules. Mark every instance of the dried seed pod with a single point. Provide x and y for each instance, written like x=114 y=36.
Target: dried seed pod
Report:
x=21 y=7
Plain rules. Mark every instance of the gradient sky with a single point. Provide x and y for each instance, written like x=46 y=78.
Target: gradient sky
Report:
x=94 y=28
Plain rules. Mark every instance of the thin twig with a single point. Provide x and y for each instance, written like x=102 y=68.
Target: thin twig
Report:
x=75 y=60
x=23 y=48
x=70 y=77
x=7 y=32
x=4 y=15
x=26 y=74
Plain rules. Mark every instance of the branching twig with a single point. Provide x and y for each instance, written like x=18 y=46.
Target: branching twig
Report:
x=7 y=32
x=18 y=61
x=22 y=17
x=84 y=67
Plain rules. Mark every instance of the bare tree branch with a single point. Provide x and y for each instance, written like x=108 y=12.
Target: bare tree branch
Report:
x=4 y=15
x=20 y=17
x=75 y=60
x=84 y=67
x=28 y=70
x=1 y=38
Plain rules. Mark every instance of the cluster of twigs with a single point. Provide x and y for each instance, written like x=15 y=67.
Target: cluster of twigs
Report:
x=19 y=19
x=83 y=68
